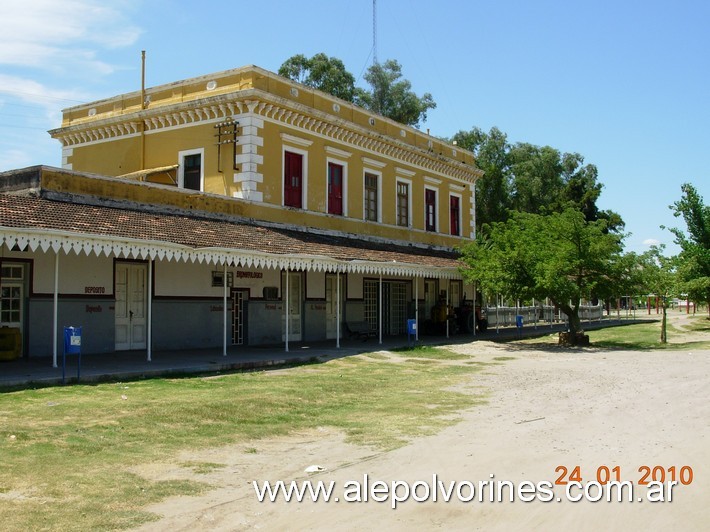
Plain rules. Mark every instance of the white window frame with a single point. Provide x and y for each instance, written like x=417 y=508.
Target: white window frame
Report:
x=410 y=214
x=460 y=197
x=304 y=184
x=437 y=214
x=344 y=164
x=181 y=167
x=379 y=194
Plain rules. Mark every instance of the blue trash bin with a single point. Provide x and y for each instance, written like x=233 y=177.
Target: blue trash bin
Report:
x=519 y=321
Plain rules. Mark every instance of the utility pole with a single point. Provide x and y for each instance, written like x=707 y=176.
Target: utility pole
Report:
x=374 y=31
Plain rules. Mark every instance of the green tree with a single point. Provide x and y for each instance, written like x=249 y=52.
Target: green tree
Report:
x=529 y=178
x=694 y=258
x=658 y=278
x=493 y=191
x=560 y=255
x=392 y=97
x=327 y=74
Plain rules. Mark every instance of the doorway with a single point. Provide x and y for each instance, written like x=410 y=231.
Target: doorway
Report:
x=331 y=304
x=295 y=303
x=131 y=298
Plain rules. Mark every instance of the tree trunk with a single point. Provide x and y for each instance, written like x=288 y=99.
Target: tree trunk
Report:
x=664 y=339
x=575 y=336
x=575 y=324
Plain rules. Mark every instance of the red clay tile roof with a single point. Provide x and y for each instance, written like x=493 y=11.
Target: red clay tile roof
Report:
x=39 y=213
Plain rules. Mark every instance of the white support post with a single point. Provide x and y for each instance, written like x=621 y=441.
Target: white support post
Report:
x=224 y=313
x=286 y=308
x=379 y=311
x=55 y=311
x=149 y=343
x=448 y=289
x=497 y=320
x=416 y=308
x=337 y=309
x=475 y=287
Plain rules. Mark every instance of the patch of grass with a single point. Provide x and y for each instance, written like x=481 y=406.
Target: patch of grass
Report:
x=700 y=324
x=427 y=351
x=73 y=446
x=503 y=359
x=376 y=356
x=640 y=336
x=202 y=468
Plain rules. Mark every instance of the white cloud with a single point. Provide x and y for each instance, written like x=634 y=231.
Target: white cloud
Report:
x=31 y=91
x=53 y=35
x=651 y=242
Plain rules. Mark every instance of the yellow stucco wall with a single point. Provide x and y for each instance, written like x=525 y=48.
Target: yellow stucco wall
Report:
x=177 y=132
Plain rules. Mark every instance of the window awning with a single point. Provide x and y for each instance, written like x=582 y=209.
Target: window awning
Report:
x=142 y=175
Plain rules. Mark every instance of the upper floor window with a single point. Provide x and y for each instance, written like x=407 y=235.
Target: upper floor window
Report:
x=190 y=172
x=402 y=203
x=455 y=212
x=430 y=208
x=372 y=198
x=335 y=188
x=293 y=179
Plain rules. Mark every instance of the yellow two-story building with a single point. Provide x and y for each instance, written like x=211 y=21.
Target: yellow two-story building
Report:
x=234 y=208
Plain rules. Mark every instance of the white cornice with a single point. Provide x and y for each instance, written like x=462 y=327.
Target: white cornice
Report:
x=273 y=108
x=298 y=141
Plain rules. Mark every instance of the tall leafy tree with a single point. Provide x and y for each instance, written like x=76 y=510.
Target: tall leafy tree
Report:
x=658 y=278
x=560 y=255
x=392 y=96
x=694 y=259
x=529 y=178
x=493 y=192
x=327 y=74
x=389 y=95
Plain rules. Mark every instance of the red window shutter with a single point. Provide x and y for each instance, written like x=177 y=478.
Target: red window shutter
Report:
x=454 y=210
x=293 y=180
x=335 y=188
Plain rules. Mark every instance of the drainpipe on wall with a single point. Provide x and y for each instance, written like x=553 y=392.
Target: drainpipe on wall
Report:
x=142 y=108
x=55 y=309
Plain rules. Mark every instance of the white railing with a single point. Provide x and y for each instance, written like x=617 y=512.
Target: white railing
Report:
x=504 y=316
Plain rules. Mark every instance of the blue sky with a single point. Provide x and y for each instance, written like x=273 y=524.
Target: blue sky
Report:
x=624 y=83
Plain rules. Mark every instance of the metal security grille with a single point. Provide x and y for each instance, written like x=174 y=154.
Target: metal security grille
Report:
x=238 y=317
x=398 y=308
x=370 y=296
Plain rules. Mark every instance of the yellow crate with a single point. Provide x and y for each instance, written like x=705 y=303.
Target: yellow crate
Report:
x=10 y=343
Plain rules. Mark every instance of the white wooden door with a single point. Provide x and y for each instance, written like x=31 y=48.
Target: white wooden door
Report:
x=131 y=323
x=295 y=302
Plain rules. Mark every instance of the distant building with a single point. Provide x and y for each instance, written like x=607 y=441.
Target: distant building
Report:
x=308 y=215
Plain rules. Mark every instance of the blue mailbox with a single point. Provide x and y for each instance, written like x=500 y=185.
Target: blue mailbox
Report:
x=72 y=346
x=412 y=327
x=411 y=330
x=72 y=340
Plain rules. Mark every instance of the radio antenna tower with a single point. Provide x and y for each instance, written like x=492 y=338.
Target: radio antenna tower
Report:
x=374 y=31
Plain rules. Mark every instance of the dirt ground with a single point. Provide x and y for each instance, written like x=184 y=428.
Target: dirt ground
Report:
x=547 y=408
